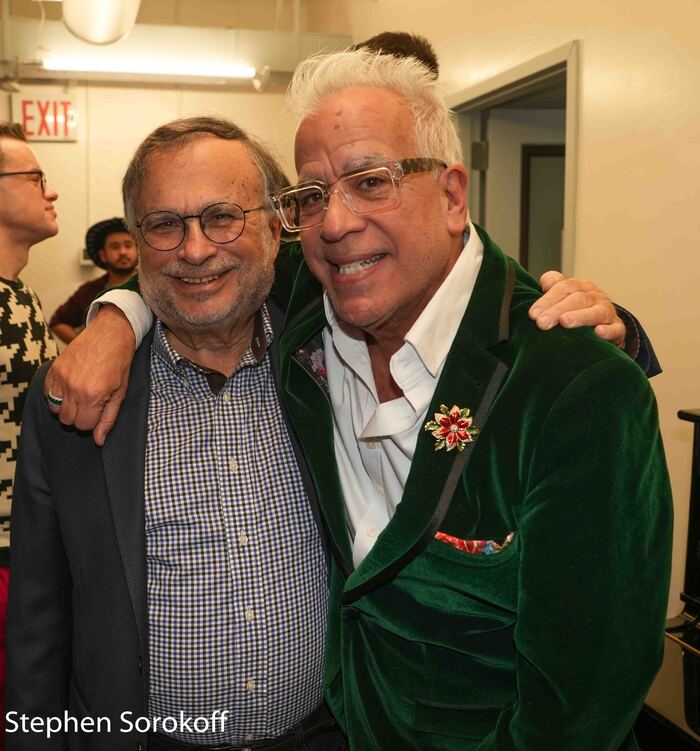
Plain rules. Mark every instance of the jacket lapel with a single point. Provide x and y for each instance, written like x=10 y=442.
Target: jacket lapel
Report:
x=123 y=457
x=277 y=320
x=309 y=409
x=471 y=378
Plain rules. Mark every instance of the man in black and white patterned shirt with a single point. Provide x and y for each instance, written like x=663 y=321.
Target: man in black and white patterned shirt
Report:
x=187 y=549
x=27 y=217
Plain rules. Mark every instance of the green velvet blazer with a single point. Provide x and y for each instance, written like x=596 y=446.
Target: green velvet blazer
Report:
x=550 y=643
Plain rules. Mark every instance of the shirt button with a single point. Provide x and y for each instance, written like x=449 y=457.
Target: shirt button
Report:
x=380 y=490
x=233 y=465
x=250 y=685
x=249 y=614
x=371 y=445
x=226 y=397
x=243 y=539
x=248 y=738
x=371 y=531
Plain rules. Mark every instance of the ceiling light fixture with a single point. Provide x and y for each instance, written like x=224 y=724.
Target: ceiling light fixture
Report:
x=148 y=66
x=100 y=21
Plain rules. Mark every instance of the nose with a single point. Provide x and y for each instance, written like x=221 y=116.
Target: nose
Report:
x=196 y=247
x=338 y=219
x=50 y=194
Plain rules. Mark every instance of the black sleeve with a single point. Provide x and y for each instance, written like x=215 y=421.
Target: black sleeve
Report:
x=637 y=344
x=39 y=618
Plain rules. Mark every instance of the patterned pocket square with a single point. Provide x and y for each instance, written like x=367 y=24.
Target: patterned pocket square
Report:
x=475 y=547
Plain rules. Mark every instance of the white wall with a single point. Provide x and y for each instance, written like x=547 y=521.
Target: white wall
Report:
x=638 y=223
x=87 y=174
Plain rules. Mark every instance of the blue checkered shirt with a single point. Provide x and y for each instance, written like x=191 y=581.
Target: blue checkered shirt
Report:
x=237 y=580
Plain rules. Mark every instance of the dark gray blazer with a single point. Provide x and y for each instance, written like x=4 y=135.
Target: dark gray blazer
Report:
x=77 y=633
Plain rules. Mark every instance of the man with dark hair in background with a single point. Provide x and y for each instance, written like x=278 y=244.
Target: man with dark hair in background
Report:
x=403 y=44
x=27 y=216
x=110 y=246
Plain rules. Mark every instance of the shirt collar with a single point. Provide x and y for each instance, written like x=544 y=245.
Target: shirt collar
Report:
x=431 y=336
x=254 y=355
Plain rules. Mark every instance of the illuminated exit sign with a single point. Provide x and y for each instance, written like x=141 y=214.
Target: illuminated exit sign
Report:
x=45 y=117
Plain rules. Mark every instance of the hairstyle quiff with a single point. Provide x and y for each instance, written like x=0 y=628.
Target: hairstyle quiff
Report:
x=10 y=130
x=320 y=76
x=178 y=133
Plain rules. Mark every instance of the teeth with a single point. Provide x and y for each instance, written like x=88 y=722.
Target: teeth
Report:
x=352 y=268
x=198 y=280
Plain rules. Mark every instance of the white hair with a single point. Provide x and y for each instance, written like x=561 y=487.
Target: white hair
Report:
x=434 y=124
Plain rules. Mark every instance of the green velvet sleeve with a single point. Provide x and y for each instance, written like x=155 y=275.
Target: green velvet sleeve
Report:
x=289 y=259
x=595 y=535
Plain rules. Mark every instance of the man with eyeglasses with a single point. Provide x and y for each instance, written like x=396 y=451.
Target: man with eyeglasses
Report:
x=496 y=497
x=170 y=589
x=27 y=216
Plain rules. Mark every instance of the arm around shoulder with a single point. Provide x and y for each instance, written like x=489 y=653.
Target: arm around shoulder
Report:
x=91 y=375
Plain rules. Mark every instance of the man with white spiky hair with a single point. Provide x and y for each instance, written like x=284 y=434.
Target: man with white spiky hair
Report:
x=496 y=497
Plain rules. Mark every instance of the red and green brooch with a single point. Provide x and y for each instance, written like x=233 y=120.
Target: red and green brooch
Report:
x=452 y=428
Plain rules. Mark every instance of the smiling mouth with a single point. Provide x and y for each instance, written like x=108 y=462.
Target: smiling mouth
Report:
x=347 y=269
x=199 y=280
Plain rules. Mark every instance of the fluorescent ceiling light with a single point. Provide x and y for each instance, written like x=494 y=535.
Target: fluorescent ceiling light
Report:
x=148 y=66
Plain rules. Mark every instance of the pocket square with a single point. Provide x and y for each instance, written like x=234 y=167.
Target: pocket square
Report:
x=475 y=547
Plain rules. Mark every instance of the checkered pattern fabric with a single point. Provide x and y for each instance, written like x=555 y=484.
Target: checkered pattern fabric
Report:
x=25 y=343
x=237 y=580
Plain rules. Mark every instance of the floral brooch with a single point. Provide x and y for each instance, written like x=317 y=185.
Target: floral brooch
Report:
x=314 y=362
x=452 y=428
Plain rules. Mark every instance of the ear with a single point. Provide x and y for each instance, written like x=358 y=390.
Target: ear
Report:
x=453 y=181
x=275 y=230
x=101 y=254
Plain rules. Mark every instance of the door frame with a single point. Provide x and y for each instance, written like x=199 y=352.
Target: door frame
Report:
x=520 y=80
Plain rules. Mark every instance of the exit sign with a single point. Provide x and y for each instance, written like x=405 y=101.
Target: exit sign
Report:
x=45 y=117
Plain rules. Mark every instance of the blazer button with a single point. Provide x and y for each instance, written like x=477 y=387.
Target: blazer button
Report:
x=140 y=666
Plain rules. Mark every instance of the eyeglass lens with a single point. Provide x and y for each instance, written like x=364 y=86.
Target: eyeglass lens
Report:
x=220 y=223
x=364 y=192
x=36 y=176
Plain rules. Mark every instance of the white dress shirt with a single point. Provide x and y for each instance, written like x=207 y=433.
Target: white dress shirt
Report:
x=374 y=442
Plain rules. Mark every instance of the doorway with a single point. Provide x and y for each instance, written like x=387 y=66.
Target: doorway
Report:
x=541 y=207
x=519 y=132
